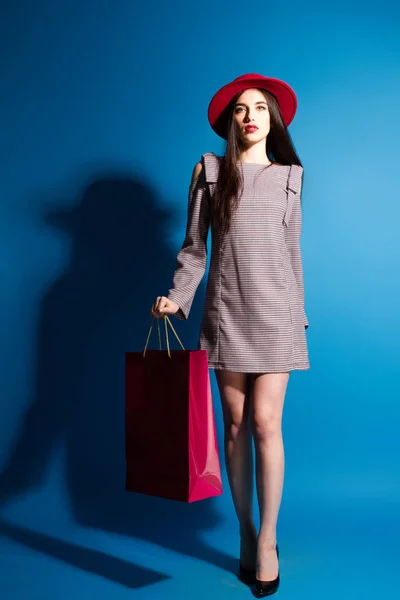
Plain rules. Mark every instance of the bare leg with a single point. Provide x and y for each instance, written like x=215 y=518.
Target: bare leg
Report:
x=235 y=397
x=269 y=391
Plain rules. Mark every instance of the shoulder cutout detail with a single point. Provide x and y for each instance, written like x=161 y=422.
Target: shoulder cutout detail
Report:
x=293 y=188
x=196 y=171
x=294 y=178
x=211 y=166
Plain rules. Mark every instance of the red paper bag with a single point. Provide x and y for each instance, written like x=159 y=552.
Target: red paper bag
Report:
x=170 y=435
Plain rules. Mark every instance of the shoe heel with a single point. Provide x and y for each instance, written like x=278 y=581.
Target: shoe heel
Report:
x=266 y=588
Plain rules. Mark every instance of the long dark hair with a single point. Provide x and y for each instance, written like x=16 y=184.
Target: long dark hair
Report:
x=279 y=148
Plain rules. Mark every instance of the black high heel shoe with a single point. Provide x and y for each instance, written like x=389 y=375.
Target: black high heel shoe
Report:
x=266 y=588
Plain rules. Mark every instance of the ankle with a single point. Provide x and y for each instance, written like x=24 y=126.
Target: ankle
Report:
x=267 y=539
x=247 y=529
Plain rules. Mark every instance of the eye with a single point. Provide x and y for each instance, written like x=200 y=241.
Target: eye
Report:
x=240 y=108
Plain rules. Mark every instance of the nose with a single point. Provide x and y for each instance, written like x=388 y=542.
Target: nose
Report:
x=248 y=117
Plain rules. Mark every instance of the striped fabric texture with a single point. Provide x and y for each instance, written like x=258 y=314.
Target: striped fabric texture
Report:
x=253 y=319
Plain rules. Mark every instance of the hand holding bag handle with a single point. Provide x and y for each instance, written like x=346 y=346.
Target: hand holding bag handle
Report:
x=166 y=318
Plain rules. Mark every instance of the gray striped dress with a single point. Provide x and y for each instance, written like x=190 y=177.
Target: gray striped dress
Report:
x=253 y=319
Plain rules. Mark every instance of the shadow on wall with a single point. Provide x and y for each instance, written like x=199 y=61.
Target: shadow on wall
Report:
x=95 y=311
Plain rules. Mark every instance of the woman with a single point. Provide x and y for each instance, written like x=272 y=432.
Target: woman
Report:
x=254 y=321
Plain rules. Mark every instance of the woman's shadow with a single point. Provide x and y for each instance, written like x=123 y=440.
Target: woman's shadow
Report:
x=95 y=311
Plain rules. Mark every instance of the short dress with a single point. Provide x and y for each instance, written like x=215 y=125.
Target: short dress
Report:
x=254 y=319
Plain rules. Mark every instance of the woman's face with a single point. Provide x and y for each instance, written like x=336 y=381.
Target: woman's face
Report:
x=251 y=109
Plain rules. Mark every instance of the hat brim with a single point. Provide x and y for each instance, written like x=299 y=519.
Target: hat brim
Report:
x=283 y=93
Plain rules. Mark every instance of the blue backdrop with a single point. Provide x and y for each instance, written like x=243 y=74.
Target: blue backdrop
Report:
x=103 y=116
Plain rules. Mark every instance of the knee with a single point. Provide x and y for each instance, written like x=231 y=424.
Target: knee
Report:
x=266 y=425
x=236 y=425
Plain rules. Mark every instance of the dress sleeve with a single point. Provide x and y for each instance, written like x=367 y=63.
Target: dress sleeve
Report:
x=293 y=228
x=192 y=257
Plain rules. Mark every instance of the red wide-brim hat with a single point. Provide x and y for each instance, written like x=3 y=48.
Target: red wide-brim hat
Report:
x=283 y=93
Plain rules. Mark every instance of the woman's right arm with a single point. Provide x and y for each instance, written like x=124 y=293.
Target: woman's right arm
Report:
x=192 y=257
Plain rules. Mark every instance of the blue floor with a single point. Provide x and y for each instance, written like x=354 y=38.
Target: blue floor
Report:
x=332 y=548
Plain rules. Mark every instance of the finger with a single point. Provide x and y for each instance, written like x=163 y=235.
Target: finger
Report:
x=165 y=306
x=162 y=304
x=154 y=309
x=157 y=307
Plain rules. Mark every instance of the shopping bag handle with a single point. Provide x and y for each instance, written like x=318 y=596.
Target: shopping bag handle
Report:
x=166 y=318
